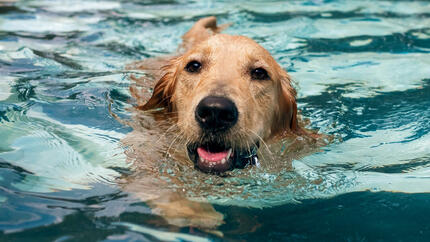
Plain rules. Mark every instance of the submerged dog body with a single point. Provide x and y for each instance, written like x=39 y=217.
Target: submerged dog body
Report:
x=228 y=95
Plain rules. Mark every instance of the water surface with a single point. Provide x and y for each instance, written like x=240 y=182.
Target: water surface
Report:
x=362 y=71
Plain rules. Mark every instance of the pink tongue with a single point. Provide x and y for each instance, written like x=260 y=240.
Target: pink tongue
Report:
x=209 y=156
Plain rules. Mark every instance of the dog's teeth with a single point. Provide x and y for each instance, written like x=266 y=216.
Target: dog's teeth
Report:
x=229 y=153
x=223 y=161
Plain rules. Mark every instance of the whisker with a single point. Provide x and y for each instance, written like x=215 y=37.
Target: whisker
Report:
x=166 y=132
x=264 y=143
x=170 y=146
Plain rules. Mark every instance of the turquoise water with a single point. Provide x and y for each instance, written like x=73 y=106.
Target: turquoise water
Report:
x=362 y=71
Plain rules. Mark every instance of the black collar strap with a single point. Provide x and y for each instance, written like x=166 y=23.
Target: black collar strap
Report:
x=252 y=156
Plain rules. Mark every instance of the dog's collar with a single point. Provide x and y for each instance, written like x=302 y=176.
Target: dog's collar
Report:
x=252 y=156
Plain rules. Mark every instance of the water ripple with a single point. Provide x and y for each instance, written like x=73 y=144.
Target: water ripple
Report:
x=361 y=69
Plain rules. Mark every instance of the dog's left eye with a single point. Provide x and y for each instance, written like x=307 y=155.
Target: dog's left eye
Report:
x=193 y=66
x=259 y=74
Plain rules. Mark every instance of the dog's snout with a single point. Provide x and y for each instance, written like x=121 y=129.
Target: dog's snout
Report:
x=216 y=113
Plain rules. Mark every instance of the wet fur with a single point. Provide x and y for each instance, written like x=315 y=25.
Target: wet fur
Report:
x=269 y=115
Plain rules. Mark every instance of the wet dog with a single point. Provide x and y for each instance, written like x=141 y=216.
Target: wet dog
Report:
x=228 y=95
x=214 y=104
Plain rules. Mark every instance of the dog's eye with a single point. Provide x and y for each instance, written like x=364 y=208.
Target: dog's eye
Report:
x=259 y=74
x=193 y=66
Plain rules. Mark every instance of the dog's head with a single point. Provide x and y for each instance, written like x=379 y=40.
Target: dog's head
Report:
x=229 y=94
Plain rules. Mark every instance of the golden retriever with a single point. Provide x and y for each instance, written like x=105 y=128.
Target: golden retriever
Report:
x=226 y=96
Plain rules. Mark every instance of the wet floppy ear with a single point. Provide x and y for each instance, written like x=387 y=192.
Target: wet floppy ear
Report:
x=163 y=94
x=286 y=116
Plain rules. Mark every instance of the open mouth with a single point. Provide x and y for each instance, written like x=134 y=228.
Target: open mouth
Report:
x=214 y=161
x=217 y=158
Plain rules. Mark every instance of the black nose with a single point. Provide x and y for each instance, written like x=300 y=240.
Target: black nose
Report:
x=216 y=113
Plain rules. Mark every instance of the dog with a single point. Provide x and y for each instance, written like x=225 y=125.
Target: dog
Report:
x=226 y=96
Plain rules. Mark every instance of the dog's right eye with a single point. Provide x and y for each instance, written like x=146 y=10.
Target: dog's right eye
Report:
x=259 y=74
x=193 y=66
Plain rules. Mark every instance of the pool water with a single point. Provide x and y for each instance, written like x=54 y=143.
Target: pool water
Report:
x=362 y=72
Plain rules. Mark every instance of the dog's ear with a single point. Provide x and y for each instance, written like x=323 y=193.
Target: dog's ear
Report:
x=201 y=30
x=163 y=94
x=285 y=120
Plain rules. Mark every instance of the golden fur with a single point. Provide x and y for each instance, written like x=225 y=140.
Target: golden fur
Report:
x=267 y=108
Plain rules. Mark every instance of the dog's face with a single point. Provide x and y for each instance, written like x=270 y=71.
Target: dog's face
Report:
x=229 y=95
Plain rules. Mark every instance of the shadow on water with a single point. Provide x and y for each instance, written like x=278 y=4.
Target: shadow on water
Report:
x=350 y=217
x=355 y=216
